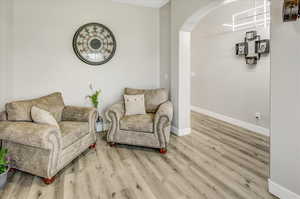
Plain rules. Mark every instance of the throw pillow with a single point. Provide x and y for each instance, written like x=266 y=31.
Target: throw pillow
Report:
x=134 y=105
x=41 y=116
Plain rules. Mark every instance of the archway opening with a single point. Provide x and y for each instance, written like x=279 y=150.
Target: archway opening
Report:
x=256 y=17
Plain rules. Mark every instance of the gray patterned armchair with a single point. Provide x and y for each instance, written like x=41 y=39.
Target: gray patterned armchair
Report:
x=149 y=130
x=42 y=149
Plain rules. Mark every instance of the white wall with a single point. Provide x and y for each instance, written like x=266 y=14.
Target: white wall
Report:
x=42 y=59
x=165 y=46
x=5 y=71
x=285 y=104
x=222 y=82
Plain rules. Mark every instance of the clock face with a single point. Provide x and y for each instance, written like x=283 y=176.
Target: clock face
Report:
x=94 y=44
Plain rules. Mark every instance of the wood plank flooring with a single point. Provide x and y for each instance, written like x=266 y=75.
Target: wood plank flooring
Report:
x=216 y=161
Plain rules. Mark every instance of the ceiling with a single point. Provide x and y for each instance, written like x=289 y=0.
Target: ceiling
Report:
x=145 y=3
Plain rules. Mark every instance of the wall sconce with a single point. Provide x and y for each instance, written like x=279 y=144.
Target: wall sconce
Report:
x=291 y=10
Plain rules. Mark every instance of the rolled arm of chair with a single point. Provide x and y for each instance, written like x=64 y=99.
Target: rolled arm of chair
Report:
x=163 y=119
x=117 y=110
x=165 y=110
x=31 y=134
x=81 y=114
x=3 y=116
x=113 y=115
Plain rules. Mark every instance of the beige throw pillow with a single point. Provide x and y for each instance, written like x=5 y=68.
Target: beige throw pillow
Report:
x=134 y=105
x=41 y=116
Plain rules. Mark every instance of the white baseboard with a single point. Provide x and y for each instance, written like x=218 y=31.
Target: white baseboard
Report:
x=246 y=125
x=281 y=192
x=180 y=132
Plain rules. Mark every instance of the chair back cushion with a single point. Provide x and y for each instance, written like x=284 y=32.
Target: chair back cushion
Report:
x=138 y=123
x=21 y=110
x=153 y=97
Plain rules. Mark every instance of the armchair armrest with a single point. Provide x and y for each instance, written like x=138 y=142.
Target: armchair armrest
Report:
x=162 y=123
x=164 y=111
x=3 y=116
x=113 y=115
x=79 y=114
x=31 y=134
x=117 y=110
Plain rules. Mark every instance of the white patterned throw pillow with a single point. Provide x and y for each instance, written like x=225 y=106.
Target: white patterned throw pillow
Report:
x=134 y=105
x=41 y=116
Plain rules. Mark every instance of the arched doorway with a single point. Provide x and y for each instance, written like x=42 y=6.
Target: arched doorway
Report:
x=184 y=70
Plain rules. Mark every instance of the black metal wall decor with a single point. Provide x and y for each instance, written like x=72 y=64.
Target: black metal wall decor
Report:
x=94 y=44
x=252 y=48
x=291 y=10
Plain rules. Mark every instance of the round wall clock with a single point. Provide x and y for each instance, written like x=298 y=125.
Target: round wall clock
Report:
x=94 y=44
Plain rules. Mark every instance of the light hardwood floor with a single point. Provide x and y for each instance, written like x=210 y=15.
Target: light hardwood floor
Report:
x=216 y=161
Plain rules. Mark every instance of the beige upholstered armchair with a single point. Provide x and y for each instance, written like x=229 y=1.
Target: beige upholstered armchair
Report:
x=42 y=149
x=149 y=130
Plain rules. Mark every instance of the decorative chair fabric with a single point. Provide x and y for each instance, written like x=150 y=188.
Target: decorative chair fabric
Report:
x=42 y=149
x=151 y=130
x=153 y=97
x=3 y=116
x=20 y=110
x=143 y=123
x=72 y=131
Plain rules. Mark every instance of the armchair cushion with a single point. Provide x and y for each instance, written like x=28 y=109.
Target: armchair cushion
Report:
x=29 y=133
x=153 y=97
x=20 y=110
x=72 y=131
x=138 y=123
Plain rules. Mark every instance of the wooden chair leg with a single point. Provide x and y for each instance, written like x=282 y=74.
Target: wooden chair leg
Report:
x=93 y=146
x=112 y=144
x=48 y=181
x=13 y=169
x=163 y=151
